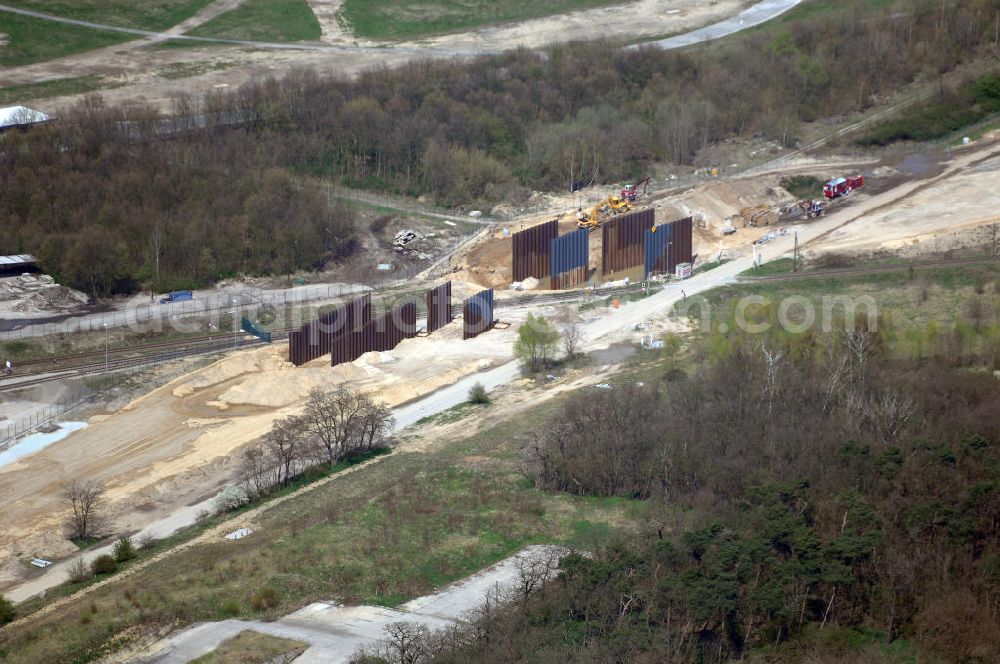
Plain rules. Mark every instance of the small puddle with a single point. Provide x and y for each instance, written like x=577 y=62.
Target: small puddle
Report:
x=615 y=354
x=38 y=441
x=918 y=164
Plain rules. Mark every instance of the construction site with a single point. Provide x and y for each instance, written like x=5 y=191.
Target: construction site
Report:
x=174 y=445
x=159 y=397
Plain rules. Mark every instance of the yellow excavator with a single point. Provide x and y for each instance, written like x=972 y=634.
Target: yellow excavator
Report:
x=609 y=207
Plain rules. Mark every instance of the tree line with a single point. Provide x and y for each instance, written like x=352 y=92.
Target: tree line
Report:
x=113 y=199
x=796 y=497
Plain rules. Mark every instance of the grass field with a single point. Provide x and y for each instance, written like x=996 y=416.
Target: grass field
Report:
x=145 y=15
x=398 y=19
x=385 y=534
x=17 y=94
x=31 y=40
x=265 y=20
x=917 y=310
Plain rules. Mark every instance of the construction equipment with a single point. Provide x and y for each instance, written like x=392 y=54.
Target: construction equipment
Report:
x=814 y=208
x=610 y=207
x=843 y=186
x=758 y=215
x=631 y=191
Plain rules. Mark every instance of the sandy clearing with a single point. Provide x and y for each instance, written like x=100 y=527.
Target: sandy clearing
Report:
x=967 y=199
x=333 y=32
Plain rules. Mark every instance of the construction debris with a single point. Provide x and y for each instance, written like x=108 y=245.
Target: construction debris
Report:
x=400 y=244
x=34 y=293
x=758 y=215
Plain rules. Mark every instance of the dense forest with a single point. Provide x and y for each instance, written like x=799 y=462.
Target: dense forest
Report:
x=115 y=199
x=817 y=501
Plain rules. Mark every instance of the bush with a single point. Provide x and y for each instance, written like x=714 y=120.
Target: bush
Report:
x=231 y=498
x=802 y=186
x=265 y=598
x=104 y=564
x=7 y=610
x=78 y=572
x=124 y=551
x=477 y=394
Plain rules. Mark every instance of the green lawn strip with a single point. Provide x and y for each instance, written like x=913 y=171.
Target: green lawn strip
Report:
x=147 y=15
x=390 y=532
x=264 y=20
x=18 y=94
x=401 y=19
x=36 y=40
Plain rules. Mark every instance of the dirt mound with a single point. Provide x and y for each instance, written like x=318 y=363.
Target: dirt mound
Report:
x=31 y=293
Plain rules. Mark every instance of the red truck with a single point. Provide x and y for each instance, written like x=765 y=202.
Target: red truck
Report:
x=843 y=186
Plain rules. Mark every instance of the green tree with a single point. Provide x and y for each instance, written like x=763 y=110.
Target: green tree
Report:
x=537 y=341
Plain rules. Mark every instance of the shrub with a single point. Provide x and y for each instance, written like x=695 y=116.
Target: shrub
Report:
x=7 y=610
x=230 y=607
x=477 y=394
x=231 y=498
x=124 y=551
x=104 y=564
x=78 y=571
x=265 y=598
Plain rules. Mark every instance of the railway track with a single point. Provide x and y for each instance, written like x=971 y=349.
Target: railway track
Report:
x=35 y=372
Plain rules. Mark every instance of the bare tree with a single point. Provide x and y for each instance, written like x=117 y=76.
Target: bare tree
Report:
x=377 y=423
x=286 y=443
x=85 y=499
x=332 y=418
x=254 y=472
x=572 y=336
x=405 y=643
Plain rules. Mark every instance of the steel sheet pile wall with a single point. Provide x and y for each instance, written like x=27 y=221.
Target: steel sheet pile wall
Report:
x=622 y=240
x=532 y=249
x=315 y=338
x=439 y=307
x=381 y=334
x=478 y=314
x=668 y=245
x=570 y=259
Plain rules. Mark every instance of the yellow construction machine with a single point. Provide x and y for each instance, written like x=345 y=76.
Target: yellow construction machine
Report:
x=610 y=207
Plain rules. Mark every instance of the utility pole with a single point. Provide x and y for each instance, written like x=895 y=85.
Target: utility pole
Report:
x=105 y=326
x=795 y=256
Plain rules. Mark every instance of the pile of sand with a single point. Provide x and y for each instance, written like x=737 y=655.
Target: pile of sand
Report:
x=268 y=359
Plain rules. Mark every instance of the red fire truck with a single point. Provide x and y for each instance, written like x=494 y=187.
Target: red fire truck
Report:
x=843 y=186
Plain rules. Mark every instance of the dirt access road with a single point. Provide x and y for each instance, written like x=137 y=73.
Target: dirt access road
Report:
x=145 y=72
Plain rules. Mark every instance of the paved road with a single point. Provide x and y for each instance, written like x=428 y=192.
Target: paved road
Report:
x=760 y=13
x=755 y=15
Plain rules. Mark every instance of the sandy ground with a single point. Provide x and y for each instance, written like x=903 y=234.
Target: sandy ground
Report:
x=951 y=214
x=141 y=69
x=172 y=447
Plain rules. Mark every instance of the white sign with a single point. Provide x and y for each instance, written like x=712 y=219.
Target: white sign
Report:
x=385 y=267
x=683 y=270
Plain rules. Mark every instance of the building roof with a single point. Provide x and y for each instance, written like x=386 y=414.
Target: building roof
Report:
x=19 y=116
x=10 y=262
